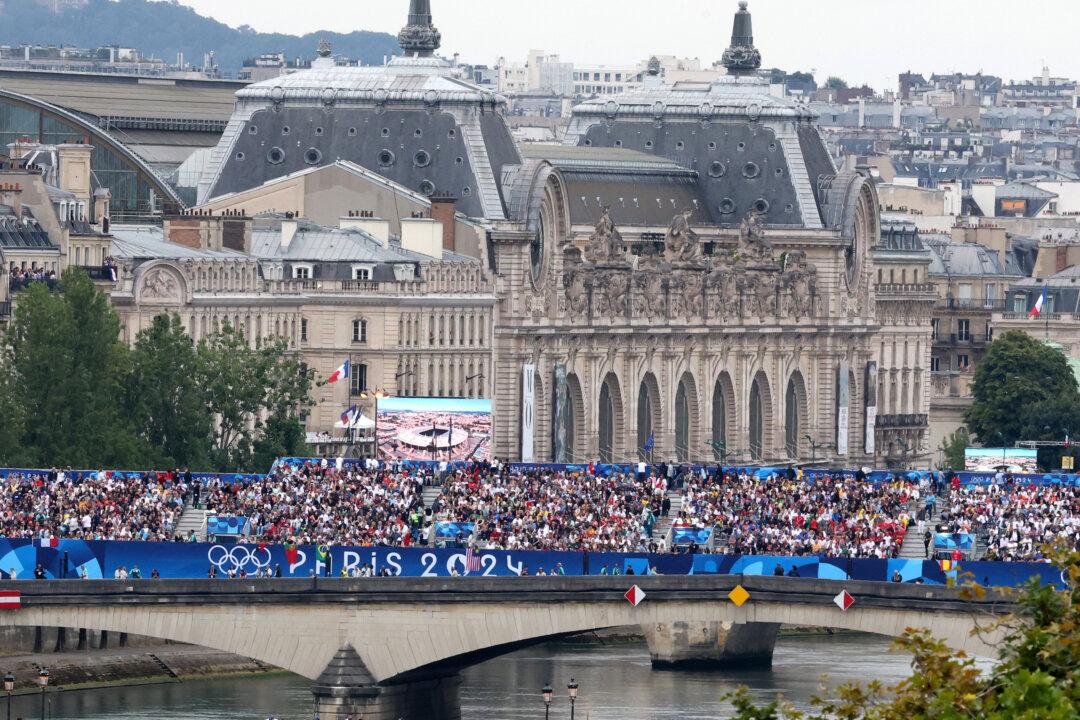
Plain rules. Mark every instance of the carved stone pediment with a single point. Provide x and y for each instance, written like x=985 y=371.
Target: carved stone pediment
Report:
x=161 y=286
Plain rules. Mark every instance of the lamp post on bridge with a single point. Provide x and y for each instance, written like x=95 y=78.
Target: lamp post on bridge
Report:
x=9 y=687
x=572 y=688
x=546 y=693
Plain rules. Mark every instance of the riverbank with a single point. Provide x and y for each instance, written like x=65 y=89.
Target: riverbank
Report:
x=128 y=666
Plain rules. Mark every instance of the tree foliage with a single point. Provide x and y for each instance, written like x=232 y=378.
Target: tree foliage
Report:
x=1037 y=678
x=176 y=29
x=953 y=448
x=72 y=394
x=836 y=83
x=1012 y=386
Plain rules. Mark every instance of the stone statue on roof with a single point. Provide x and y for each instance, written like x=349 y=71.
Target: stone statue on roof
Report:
x=606 y=243
x=753 y=246
x=681 y=243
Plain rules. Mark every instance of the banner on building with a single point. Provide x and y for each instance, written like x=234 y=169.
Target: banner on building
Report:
x=843 y=406
x=528 y=413
x=560 y=417
x=440 y=429
x=870 y=390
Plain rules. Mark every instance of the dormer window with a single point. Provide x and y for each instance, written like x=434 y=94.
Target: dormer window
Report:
x=362 y=272
x=303 y=272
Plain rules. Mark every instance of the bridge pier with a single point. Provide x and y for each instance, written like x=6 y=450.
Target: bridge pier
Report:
x=716 y=645
x=347 y=690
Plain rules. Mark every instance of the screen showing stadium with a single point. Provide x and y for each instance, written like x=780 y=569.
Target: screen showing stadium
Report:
x=1013 y=460
x=434 y=429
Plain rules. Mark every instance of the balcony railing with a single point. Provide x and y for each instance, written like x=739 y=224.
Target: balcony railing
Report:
x=99 y=273
x=898 y=288
x=903 y=421
x=972 y=304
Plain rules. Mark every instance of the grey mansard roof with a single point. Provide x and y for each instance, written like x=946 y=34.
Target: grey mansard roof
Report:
x=317 y=244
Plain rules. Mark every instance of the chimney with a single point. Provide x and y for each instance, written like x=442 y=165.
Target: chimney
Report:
x=443 y=210
x=422 y=235
x=289 y=227
x=366 y=221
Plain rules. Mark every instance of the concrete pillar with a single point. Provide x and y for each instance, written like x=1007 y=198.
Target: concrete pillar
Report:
x=346 y=689
x=698 y=645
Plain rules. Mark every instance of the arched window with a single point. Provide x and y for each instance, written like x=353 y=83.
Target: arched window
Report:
x=756 y=415
x=646 y=437
x=791 y=421
x=607 y=425
x=719 y=423
x=359 y=331
x=682 y=425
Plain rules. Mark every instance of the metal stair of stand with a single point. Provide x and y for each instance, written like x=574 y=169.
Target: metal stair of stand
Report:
x=431 y=493
x=913 y=547
x=193 y=519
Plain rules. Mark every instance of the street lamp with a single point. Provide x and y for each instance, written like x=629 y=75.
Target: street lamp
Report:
x=814 y=447
x=43 y=681
x=9 y=686
x=547 y=693
x=572 y=688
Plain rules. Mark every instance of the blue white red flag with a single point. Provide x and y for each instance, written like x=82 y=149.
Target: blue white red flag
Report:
x=340 y=374
x=349 y=416
x=1037 y=310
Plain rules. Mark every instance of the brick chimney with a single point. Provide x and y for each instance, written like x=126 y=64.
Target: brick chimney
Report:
x=443 y=209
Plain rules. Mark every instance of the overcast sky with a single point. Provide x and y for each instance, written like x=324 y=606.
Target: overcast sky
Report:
x=862 y=40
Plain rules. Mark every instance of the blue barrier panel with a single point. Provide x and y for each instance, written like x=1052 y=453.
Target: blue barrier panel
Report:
x=953 y=541
x=100 y=559
x=227 y=525
x=202 y=477
x=682 y=536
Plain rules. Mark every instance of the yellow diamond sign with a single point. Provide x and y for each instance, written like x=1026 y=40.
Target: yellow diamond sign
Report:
x=739 y=596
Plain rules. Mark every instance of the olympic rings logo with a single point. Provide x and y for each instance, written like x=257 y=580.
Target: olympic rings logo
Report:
x=238 y=558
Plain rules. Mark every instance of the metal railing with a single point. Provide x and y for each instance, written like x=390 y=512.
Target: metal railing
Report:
x=972 y=304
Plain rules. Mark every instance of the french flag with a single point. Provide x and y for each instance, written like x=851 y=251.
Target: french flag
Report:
x=1037 y=310
x=340 y=374
x=349 y=416
x=49 y=542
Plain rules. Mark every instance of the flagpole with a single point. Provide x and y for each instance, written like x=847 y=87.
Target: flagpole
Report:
x=1046 y=293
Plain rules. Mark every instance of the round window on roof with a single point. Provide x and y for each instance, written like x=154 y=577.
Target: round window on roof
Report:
x=386 y=132
x=240 y=156
x=418 y=132
x=751 y=170
x=313 y=156
x=649 y=144
x=727 y=206
x=772 y=147
x=276 y=156
x=761 y=206
x=451 y=133
x=386 y=158
x=712 y=146
x=618 y=143
x=717 y=169
x=741 y=146
x=466 y=191
x=352 y=132
x=779 y=172
x=253 y=129
x=459 y=161
x=422 y=158
x=286 y=130
x=427 y=188
x=318 y=131
x=680 y=145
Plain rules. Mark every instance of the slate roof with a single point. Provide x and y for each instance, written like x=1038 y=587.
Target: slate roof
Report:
x=147 y=243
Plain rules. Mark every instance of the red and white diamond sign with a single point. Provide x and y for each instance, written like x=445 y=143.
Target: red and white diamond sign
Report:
x=634 y=596
x=844 y=600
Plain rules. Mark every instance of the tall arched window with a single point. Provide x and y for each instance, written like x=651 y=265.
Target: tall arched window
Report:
x=791 y=420
x=757 y=421
x=607 y=425
x=682 y=425
x=719 y=422
x=644 y=421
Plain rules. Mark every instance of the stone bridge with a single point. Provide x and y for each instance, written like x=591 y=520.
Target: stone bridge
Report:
x=392 y=647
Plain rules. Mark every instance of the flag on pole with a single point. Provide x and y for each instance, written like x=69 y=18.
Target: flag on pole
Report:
x=472 y=561
x=1037 y=310
x=340 y=374
x=348 y=418
x=650 y=442
x=50 y=542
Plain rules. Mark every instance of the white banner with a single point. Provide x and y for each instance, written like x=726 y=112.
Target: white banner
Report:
x=843 y=404
x=528 y=413
x=870 y=392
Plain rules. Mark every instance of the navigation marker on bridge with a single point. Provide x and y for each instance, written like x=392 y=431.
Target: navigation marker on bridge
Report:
x=10 y=600
x=739 y=596
x=844 y=600
x=635 y=596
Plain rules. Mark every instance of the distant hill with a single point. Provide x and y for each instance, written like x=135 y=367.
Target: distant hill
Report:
x=163 y=29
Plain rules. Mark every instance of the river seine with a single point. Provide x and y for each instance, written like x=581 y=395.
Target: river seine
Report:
x=616 y=682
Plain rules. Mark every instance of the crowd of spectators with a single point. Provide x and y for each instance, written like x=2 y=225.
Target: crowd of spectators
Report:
x=92 y=506
x=552 y=510
x=22 y=277
x=1014 y=520
x=787 y=514
x=324 y=505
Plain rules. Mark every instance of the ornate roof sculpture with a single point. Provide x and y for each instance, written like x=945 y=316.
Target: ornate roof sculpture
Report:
x=751 y=152
x=415 y=121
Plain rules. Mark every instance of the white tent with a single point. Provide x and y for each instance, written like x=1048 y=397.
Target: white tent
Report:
x=362 y=422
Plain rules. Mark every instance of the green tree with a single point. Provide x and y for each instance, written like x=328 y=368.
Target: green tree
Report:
x=244 y=386
x=1016 y=373
x=66 y=363
x=1053 y=419
x=1038 y=677
x=164 y=396
x=13 y=412
x=953 y=448
x=836 y=83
